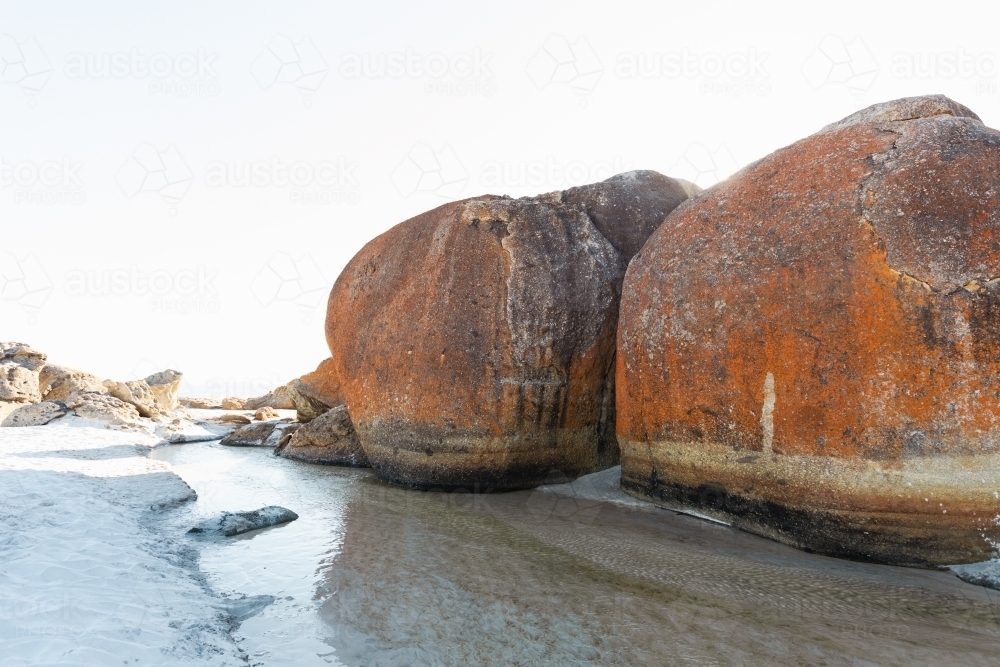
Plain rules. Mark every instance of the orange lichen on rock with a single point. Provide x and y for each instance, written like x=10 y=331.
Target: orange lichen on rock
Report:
x=474 y=344
x=811 y=348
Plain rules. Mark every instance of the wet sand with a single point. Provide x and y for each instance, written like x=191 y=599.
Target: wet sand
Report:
x=375 y=575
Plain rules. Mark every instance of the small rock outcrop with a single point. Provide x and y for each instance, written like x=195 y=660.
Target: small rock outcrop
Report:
x=136 y=392
x=19 y=371
x=278 y=398
x=809 y=350
x=104 y=408
x=197 y=403
x=165 y=387
x=316 y=392
x=264 y=414
x=234 y=403
x=229 y=524
x=57 y=383
x=474 y=344
x=34 y=414
x=329 y=439
x=259 y=434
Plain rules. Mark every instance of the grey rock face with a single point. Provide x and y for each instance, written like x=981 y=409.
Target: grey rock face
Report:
x=329 y=439
x=259 y=434
x=35 y=414
x=229 y=524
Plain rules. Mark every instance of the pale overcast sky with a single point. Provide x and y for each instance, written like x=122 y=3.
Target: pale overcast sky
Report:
x=181 y=182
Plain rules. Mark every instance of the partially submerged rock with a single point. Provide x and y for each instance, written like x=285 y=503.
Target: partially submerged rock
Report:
x=329 y=439
x=473 y=344
x=810 y=349
x=229 y=524
x=259 y=434
x=985 y=574
x=35 y=414
x=19 y=370
x=56 y=383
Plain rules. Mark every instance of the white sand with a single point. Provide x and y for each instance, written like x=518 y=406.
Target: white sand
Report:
x=83 y=580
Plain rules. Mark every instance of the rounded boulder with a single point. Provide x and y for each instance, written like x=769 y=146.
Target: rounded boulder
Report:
x=474 y=344
x=810 y=349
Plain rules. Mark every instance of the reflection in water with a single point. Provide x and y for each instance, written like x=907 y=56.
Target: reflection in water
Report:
x=541 y=577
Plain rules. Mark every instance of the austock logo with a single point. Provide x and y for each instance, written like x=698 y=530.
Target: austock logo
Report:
x=705 y=166
x=24 y=281
x=181 y=75
x=24 y=64
x=287 y=62
x=322 y=182
x=425 y=170
x=51 y=182
x=734 y=73
x=838 y=62
x=189 y=291
x=285 y=279
x=461 y=73
x=149 y=170
x=571 y=64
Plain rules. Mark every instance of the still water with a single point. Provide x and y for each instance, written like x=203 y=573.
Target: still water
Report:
x=568 y=575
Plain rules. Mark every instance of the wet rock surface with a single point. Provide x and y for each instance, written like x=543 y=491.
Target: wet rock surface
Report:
x=809 y=348
x=259 y=434
x=329 y=439
x=473 y=344
x=229 y=524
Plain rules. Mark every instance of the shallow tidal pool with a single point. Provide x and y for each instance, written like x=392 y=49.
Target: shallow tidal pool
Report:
x=566 y=575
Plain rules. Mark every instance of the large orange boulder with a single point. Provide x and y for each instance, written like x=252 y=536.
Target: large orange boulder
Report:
x=474 y=344
x=811 y=349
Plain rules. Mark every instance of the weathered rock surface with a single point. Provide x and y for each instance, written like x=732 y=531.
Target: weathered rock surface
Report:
x=19 y=369
x=229 y=524
x=279 y=398
x=321 y=385
x=233 y=419
x=165 y=387
x=259 y=434
x=198 y=403
x=329 y=438
x=265 y=414
x=233 y=403
x=56 y=383
x=136 y=392
x=627 y=208
x=34 y=414
x=103 y=408
x=473 y=344
x=810 y=349
x=7 y=407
